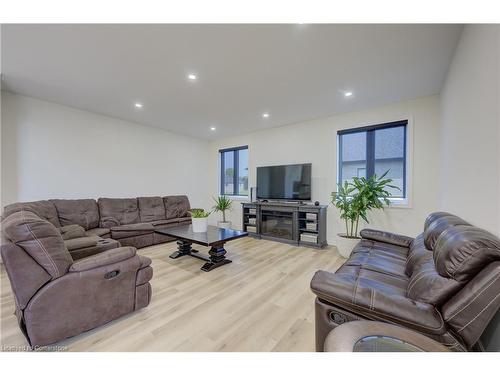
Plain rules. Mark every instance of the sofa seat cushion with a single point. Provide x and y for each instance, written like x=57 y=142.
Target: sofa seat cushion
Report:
x=151 y=209
x=98 y=232
x=81 y=242
x=382 y=249
x=69 y=232
x=131 y=230
x=379 y=262
x=83 y=212
x=376 y=296
x=118 y=211
x=44 y=209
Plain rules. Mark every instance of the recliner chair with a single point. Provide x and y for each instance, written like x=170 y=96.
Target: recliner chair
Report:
x=445 y=283
x=57 y=297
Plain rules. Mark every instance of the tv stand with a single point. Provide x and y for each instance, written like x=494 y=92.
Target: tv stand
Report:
x=295 y=223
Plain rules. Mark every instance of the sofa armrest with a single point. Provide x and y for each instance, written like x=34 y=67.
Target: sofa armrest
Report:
x=387 y=237
x=370 y=299
x=72 y=231
x=103 y=259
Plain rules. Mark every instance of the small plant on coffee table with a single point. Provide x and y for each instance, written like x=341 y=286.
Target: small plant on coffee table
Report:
x=199 y=213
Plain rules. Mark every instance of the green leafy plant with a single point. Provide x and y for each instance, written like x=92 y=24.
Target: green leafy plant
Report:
x=222 y=204
x=199 y=213
x=355 y=199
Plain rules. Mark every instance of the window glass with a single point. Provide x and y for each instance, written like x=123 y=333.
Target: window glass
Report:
x=375 y=150
x=389 y=156
x=228 y=174
x=234 y=171
x=353 y=156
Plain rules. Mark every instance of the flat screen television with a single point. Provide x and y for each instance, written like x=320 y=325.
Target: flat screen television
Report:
x=284 y=182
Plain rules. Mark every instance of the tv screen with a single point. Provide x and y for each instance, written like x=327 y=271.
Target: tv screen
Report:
x=288 y=182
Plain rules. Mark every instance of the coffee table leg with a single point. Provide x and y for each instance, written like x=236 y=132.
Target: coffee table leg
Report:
x=217 y=259
x=184 y=248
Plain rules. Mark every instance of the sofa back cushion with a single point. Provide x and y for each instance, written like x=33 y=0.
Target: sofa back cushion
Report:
x=416 y=254
x=118 y=211
x=461 y=252
x=83 y=212
x=176 y=206
x=40 y=239
x=151 y=209
x=44 y=209
x=434 y=216
x=438 y=225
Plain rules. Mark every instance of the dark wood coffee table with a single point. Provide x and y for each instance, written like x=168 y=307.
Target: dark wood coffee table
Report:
x=214 y=237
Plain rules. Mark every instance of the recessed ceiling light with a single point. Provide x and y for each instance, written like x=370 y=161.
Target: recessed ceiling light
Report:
x=192 y=77
x=265 y=115
x=348 y=94
x=138 y=105
x=212 y=128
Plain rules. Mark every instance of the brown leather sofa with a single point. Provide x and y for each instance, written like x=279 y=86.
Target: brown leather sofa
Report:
x=445 y=283
x=89 y=227
x=57 y=297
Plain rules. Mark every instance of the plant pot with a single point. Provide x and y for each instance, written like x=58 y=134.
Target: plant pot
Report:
x=224 y=224
x=199 y=224
x=345 y=244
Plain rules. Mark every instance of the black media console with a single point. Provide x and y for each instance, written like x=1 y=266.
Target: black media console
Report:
x=293 y=223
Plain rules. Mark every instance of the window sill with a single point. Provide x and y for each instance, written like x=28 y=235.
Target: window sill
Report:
x=399 y=203
x=238 y=197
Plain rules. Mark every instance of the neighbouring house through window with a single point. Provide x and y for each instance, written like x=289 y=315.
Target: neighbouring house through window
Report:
x=375 y=149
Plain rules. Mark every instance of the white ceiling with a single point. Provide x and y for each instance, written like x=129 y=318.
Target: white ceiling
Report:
x=295 y=72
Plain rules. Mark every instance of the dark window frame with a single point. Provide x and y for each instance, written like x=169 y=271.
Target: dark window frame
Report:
x=236 y=171
x=370 y=150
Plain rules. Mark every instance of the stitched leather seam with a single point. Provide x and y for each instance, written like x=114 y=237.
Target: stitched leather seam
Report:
x=415 y=278
x=424 y=273
x=464 y=263
x=40 y=245
x=391 y=317
x=355 y=290
x=480 y=312
x=475 y=297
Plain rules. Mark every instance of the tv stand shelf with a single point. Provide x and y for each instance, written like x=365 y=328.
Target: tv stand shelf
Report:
x=294 y=223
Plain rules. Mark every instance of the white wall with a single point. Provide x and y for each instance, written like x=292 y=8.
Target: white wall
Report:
x=315 y=142
x=470 y=136
x=53 y=151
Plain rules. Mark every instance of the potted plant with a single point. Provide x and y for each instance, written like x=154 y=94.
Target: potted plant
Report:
x=354 y=200
x=223 y=204
x=199 y=218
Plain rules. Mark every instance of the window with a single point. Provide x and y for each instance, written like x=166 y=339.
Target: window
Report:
x=234 y=171
x=376 y=149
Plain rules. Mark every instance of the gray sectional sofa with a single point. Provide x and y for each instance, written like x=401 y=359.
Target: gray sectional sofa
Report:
x=89 y=227
x=72 y=263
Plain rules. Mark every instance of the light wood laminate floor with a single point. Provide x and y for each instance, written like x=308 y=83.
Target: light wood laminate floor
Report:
x=260 y=302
